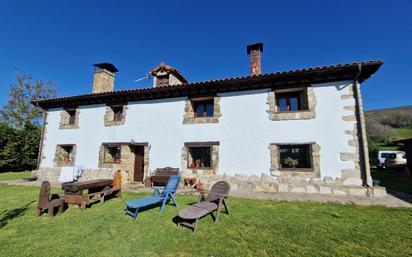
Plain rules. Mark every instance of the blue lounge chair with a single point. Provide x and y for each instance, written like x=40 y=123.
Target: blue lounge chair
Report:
x=132 y=207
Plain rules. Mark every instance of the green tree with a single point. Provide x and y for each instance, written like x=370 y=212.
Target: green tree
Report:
x=19 y=110
x=20 y=123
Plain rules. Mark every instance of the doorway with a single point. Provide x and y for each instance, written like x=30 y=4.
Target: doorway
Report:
x=138 y=164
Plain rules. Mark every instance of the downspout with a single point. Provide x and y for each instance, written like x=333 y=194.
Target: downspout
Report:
x=39 y=156
x=363 y=142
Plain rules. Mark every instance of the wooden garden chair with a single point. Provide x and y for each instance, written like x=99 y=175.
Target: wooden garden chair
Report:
x=47 y=202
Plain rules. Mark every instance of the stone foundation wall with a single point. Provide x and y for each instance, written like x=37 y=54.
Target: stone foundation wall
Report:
x=52 y=174
x=267 y=183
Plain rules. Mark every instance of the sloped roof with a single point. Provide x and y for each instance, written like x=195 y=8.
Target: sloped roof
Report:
x=163 y=67
x=307 y=76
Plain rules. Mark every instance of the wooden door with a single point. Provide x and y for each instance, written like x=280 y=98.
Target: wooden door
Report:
x=138 y=163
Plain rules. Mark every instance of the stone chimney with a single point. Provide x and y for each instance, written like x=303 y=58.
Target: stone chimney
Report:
x=254 y=54
x=103 y=78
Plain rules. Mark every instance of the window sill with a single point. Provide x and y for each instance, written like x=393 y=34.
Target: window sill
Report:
x=69 y=126
x=292 y=115
x=299 y=111
x=201 y=120
x=296 y=169
x=191 y=168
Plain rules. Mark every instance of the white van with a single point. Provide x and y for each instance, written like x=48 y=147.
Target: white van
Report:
x=382 y=155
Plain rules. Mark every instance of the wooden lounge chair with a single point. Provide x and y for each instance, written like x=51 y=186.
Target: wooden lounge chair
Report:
x=47 y=202
x=132 y=207
x=210 y=202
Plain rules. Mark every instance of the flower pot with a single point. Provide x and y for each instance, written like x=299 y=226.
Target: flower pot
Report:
x=199 y=186
x=186 y=180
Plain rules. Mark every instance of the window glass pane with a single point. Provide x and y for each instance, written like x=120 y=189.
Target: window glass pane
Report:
x=282 y=105
x=200 y=110
x=209 y=109
x=294 y=104
x=295 y=156
x=203 y=108
x=199 y=157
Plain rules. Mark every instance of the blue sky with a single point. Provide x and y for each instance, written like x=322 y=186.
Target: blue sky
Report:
x=60 y=40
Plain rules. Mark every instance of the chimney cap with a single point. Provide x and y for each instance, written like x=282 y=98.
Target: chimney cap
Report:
x=257 y=46
x=106 y=66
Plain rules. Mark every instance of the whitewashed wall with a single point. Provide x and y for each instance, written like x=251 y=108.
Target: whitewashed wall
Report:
x=244 y=131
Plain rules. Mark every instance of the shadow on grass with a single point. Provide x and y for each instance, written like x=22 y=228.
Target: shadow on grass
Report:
x=395 y=184
x=7 y=215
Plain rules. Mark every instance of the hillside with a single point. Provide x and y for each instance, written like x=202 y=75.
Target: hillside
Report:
x=387 y=124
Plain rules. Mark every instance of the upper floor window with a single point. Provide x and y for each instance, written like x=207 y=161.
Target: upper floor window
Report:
x=72 y=117
x=203 y=108
x=69 y=118
x=117 y=113
x=291 y=101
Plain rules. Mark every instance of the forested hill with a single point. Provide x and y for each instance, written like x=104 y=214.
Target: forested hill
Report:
x=387 y=124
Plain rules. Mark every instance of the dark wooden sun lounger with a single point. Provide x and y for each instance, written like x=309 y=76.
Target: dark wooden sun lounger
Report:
x=209 y=203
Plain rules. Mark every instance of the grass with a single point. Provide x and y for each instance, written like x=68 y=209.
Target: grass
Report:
x=254 y=228
x=402 y=133
x=392 y=180
x=14 y=175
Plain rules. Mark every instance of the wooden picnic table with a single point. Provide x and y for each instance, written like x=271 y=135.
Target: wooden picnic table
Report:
x=97 y=190
x=79 y=187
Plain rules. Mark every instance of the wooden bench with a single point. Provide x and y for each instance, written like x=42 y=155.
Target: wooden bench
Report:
x=161 y=175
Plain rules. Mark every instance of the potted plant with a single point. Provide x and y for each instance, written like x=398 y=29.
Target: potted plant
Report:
x=186 y=181
x=66 y=159
x=292 y=162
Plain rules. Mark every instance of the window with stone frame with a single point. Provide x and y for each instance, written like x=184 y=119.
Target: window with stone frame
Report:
x=295 y=157
x=291 y=101
x=72 y=116
x=199 y=110
x=111 y=154
x=199 y=157
x=117 y=113
x=69 y=118
x=65 y=155
x=203 y=108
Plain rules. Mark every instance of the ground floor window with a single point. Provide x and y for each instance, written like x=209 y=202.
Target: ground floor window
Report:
x=200 y=157
x=65 y=155
x=112 y=154
x=295 y=156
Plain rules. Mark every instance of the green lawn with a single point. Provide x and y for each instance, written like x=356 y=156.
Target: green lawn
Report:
x=403 y=133
x=392 y=180
x=254 y=228
x=14 y=175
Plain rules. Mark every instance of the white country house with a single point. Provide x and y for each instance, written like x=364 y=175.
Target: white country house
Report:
x=297 y=131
